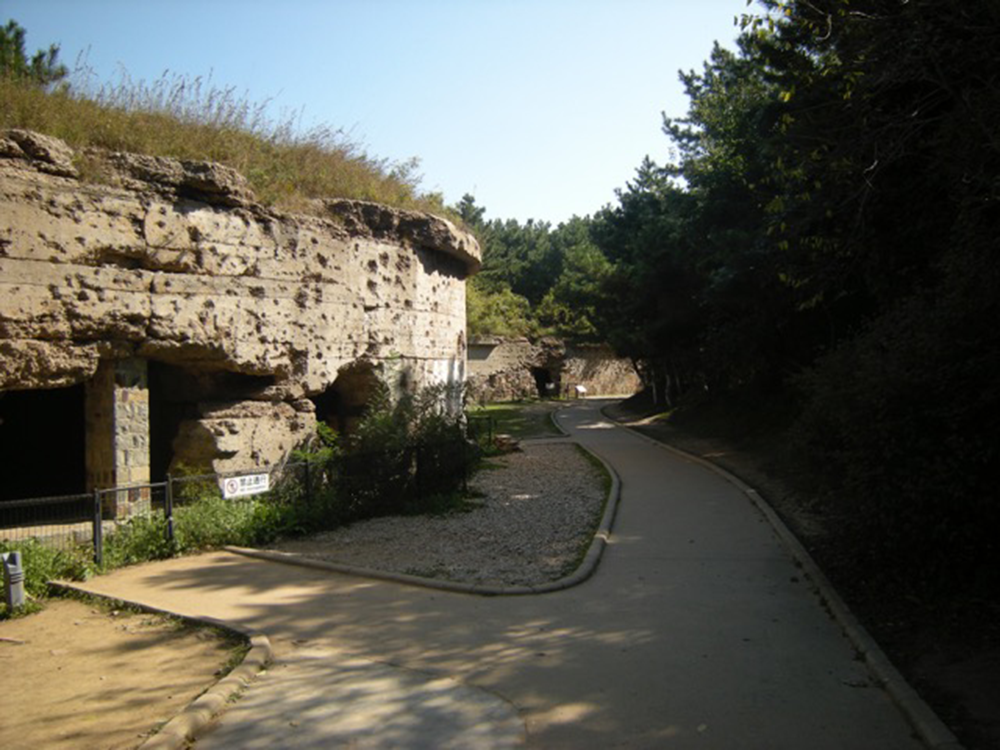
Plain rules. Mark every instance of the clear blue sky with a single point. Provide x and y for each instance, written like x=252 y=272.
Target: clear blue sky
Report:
x=540 y=109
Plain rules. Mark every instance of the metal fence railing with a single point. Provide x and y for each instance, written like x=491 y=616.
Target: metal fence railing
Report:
x=364 y=485
x=481 y=428
x=63 y=521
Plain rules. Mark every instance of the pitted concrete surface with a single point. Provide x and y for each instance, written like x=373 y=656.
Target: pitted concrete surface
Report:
x=698 y=630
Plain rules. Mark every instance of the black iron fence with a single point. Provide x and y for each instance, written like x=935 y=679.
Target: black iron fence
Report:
x=340 y=487
x=63 y=521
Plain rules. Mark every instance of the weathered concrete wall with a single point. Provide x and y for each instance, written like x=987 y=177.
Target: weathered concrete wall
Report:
x=174 y=263
x=510 y=369
x=501 y=369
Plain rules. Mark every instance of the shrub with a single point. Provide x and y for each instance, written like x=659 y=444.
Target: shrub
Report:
x=43 y=563
x=214 y=522
x=139 y=539
x=404 y=453
x=898 y=430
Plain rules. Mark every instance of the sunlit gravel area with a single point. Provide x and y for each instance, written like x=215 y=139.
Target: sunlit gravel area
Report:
x=538 y=512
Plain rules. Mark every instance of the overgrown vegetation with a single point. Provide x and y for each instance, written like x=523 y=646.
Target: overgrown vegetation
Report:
x=418 y=444
x=186 y=118
x=407 y=455
x=41 y=563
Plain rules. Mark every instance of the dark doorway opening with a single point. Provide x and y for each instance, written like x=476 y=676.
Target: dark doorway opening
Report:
x=177 y=394
x=343 y=404
x=547 y=384
x=42 y=443
x=167 y=409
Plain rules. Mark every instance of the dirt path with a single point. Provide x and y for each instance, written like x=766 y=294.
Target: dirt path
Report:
x=77 y=676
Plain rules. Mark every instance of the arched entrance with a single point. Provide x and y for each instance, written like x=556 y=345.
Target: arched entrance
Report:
x=343 y=404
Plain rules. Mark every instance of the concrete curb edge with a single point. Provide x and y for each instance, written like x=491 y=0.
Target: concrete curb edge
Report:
x=179 y=731
x=932 y=731
x=555 y=422
x=583 y=571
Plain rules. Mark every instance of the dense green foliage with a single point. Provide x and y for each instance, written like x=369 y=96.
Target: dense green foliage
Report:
x=419 y=447
x=826 y=240
x=535 y=279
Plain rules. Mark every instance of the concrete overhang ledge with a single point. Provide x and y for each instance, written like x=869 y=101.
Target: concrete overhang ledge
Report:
x=416 y=227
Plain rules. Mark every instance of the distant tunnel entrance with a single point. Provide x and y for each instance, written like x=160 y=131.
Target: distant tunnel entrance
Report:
x=42 y=434
x=546 y=382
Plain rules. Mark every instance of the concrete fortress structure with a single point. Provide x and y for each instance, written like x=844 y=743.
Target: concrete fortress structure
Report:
x=158 y=315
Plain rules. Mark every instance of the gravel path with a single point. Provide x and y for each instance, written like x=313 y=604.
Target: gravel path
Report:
x=538 y=514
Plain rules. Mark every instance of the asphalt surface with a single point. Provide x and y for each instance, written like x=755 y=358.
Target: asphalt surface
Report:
x=699 y=628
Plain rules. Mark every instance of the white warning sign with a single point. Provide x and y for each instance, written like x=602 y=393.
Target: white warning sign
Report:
x=248 y=484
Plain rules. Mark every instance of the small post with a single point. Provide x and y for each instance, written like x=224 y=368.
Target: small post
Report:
x=98 y=530
x=13 y=577
x=419 y=455
x=169 y=508
x=466 y=449
x=308 y=483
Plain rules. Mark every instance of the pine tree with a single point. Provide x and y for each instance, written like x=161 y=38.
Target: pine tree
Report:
x=41 y=69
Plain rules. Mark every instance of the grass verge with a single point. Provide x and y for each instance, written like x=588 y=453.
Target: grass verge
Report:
x=520 y=419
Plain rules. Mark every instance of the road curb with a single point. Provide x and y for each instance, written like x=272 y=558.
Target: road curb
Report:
x=182 y=729
x=928 y=726
x=583 y=571
x=555 y=422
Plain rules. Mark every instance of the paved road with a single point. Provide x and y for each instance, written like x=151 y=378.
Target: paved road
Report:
x=696 y=631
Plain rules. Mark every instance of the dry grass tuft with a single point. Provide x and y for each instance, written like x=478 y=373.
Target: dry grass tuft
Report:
x=184 y=118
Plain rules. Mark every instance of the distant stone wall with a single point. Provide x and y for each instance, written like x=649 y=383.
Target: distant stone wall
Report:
x=600 y=371
x=510 y=369
x=501 y=369
x=246 y=316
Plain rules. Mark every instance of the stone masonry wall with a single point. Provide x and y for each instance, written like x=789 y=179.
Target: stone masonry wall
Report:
x=175 y=263
x=117 y=419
